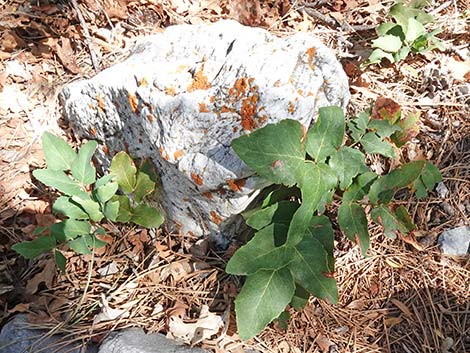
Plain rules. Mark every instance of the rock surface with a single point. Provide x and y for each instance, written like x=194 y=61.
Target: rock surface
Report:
x=17 y=337
x=136 y=341
x=455 y=241
x=184 y=94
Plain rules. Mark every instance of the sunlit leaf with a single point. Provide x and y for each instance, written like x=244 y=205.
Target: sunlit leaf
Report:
x=33 y=248
x=59 y=155
x=353 y=222
x=146 y=216
x=124 y=172
x=60 y=181
x=347 y=163
x=81 y=168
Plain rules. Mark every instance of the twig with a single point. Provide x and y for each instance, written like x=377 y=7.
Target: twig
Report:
x=334 y=22
x=94 y=59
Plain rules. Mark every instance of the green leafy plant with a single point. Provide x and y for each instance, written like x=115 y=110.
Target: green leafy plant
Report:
x=290 y=256
x=86 y=201
x=405 y=33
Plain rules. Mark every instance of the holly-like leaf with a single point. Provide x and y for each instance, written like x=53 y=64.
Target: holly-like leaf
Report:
x=92 y=208
x=321 y=229
x=103 y=180
x=388 y=220
x=70 y=229
x=374 y=144
x=326 y=135
x=59 y=155
x=125 y=213
x=111 y=210
x=33 y=248
x=310 y=268
x=70 y=209
x=385 y=28
x=409 y=129
x=300 y=298
x=146 y=216
x=283 y=320
x=81 y=168
x=347 y=163
x=388 y=43
x=261 y=252
x=264 y=296
x=360 y=187
x=353 y=222
x=279 y=194
x=404 y=217
x=385 y=109
x=280 y=212
x=124 y=172
x=105 y=192
x=383 y=189
x=84 y=243
x=60 y=260
x=60 y=181
x=383 y=128
x=378 y=54
x=275 y=152
x=427 y=180
x=317 y=181
x=143 y=187
x=358 y=126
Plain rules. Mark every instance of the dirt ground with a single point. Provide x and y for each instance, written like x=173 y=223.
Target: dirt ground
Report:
x=405 y=297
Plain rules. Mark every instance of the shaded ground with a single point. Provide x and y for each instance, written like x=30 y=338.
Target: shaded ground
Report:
x=405 y=297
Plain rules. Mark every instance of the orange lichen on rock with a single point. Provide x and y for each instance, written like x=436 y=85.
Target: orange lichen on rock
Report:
x=311 y=54
x=100 y=102
x=226 y=109
x=203 y=108
x=150 y=118
x=248 y=111
x=178 y=154
x=200 y=81
x=105 y=150
x=212 y=99
x=216 y=218
x=300 y=91
x=143 y=82
x=133 y=102
x=171 y=91
x=236 y=185
x=239 y=88
x=197 y=179
x=164 y=154
x=208 y=195
x=92 y=131
x=291 y=108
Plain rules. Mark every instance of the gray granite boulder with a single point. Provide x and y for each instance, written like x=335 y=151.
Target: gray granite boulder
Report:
x=456 y=241
x=136 y=341
x=184 y=94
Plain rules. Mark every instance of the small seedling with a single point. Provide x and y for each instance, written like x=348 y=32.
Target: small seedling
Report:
x=290 y=256
x=405 y=33
x=85 y=201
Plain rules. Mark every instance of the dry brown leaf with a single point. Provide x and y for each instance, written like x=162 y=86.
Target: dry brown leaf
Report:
x=177 y=270
x=324 y=343
x=67 y=56
x=392 y=263
x=177 y=310
x=45 y=220
x=391 y=321
x=411 y=239
x=19 y=308
x=357 y=304
x=46 y=275
x=402 y=306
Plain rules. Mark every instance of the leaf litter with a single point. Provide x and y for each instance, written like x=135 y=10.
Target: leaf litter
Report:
x=405 y=297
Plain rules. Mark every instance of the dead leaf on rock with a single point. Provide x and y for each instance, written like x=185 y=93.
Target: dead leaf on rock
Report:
x=207 y=325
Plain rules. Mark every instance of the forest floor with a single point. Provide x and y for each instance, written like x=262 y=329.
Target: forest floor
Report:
x=405 y=297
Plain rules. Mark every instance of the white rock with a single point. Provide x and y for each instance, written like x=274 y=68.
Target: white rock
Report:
x=184 y=94
x=455 y=241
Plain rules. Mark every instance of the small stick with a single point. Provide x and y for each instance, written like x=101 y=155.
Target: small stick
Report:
x=94 y=59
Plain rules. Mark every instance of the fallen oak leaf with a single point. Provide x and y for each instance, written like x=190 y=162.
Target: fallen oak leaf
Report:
x=67 y=56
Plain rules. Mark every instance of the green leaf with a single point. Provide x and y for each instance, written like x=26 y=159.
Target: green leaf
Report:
x=125 y=213
x=146 y=216
x=70 y=229
x=280 y=212
x=326 y=135
x=300 y=298
x=415 y=29
x=148 y=168
x=93 y=242
x=383 y=189
x=69 y=208
x=383 y=128
x=105 y=192
x=111 y=210
x=358 y=126
x=347 y=163
x=360 y=187
x=388 y=43
x=401 y=54
x=283 y=320
x=33 y=248
x=144 y=186
x=402 y=14
x=103 y=180
x=378 y=54
x=261 y=252
x=59 y=155
x=374 y=144
x=91 y=207
x=428 y=178
x=82 y=170
x=310 y=268
x=60 y=260
x=409 y=129
x=404 y=217
x=321 y=229
x=353 y=222
x=80 y=245
x=388 y=220
x=275 y=152
x=279 y=194
x=264 y=296
x=384 y=28
x=124 y=171
x=317 y=181
x=60 y=181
